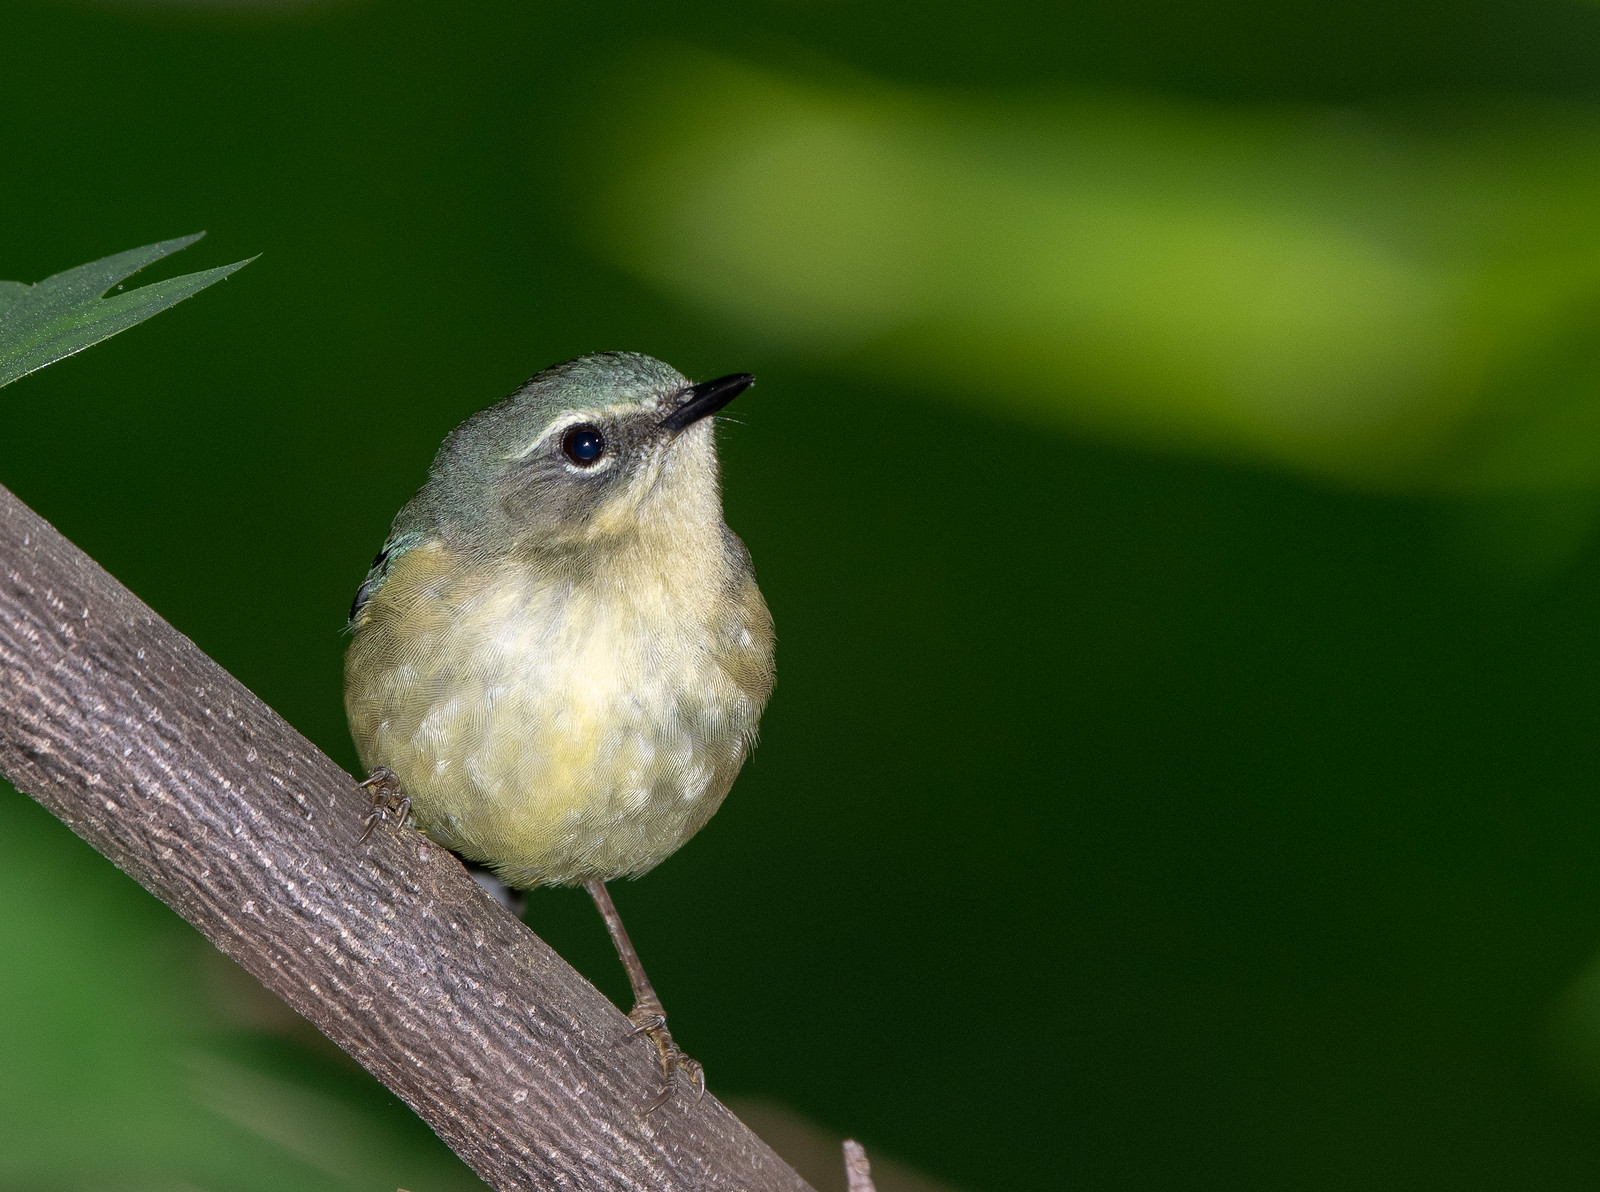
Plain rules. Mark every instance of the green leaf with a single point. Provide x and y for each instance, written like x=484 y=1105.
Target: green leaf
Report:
x=42 y=323
x=10 y=293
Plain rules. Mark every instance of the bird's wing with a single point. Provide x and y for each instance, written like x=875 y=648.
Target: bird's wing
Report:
x=392 y=550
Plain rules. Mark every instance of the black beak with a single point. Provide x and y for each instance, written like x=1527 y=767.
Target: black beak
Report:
x=706 y=398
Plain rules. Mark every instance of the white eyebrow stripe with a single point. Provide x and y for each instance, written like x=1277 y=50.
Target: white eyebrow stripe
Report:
x=573 y=418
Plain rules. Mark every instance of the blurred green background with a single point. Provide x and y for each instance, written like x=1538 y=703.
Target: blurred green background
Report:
x=1175 y=474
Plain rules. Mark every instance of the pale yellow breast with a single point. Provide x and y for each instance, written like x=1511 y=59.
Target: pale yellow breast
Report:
x=558 y=731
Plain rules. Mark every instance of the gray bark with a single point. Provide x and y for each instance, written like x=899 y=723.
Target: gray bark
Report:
x=145 y=747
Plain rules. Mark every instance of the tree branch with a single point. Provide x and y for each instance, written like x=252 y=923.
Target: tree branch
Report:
x=161 y=760
x=857 y=1171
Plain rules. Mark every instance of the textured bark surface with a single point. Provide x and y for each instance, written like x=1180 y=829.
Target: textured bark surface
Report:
x=165 y=763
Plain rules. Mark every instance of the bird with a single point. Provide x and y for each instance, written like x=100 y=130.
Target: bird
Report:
x=559 y=659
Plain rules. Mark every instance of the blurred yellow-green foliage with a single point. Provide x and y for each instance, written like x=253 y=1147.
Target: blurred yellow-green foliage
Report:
x=1175 y=471
x=1376 y=296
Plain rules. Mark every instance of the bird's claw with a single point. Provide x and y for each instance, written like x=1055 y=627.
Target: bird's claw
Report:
x=386 y=797
x=645 y=1022
x=651 y=1022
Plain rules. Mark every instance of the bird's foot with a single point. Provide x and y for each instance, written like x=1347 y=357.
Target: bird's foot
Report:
x=650 y=1020
x=386 y=797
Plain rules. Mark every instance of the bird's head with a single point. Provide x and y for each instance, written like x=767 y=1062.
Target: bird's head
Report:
x=596 y=450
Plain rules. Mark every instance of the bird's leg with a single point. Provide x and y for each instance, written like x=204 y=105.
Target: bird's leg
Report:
x=648 y=1017
x=386 y=797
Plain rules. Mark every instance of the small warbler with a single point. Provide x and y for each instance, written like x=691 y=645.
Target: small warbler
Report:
x=560 y=656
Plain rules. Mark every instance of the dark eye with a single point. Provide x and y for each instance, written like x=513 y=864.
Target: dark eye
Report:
x=584 y=445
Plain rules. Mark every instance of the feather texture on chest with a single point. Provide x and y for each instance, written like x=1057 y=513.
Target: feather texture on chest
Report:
x=561 y=725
